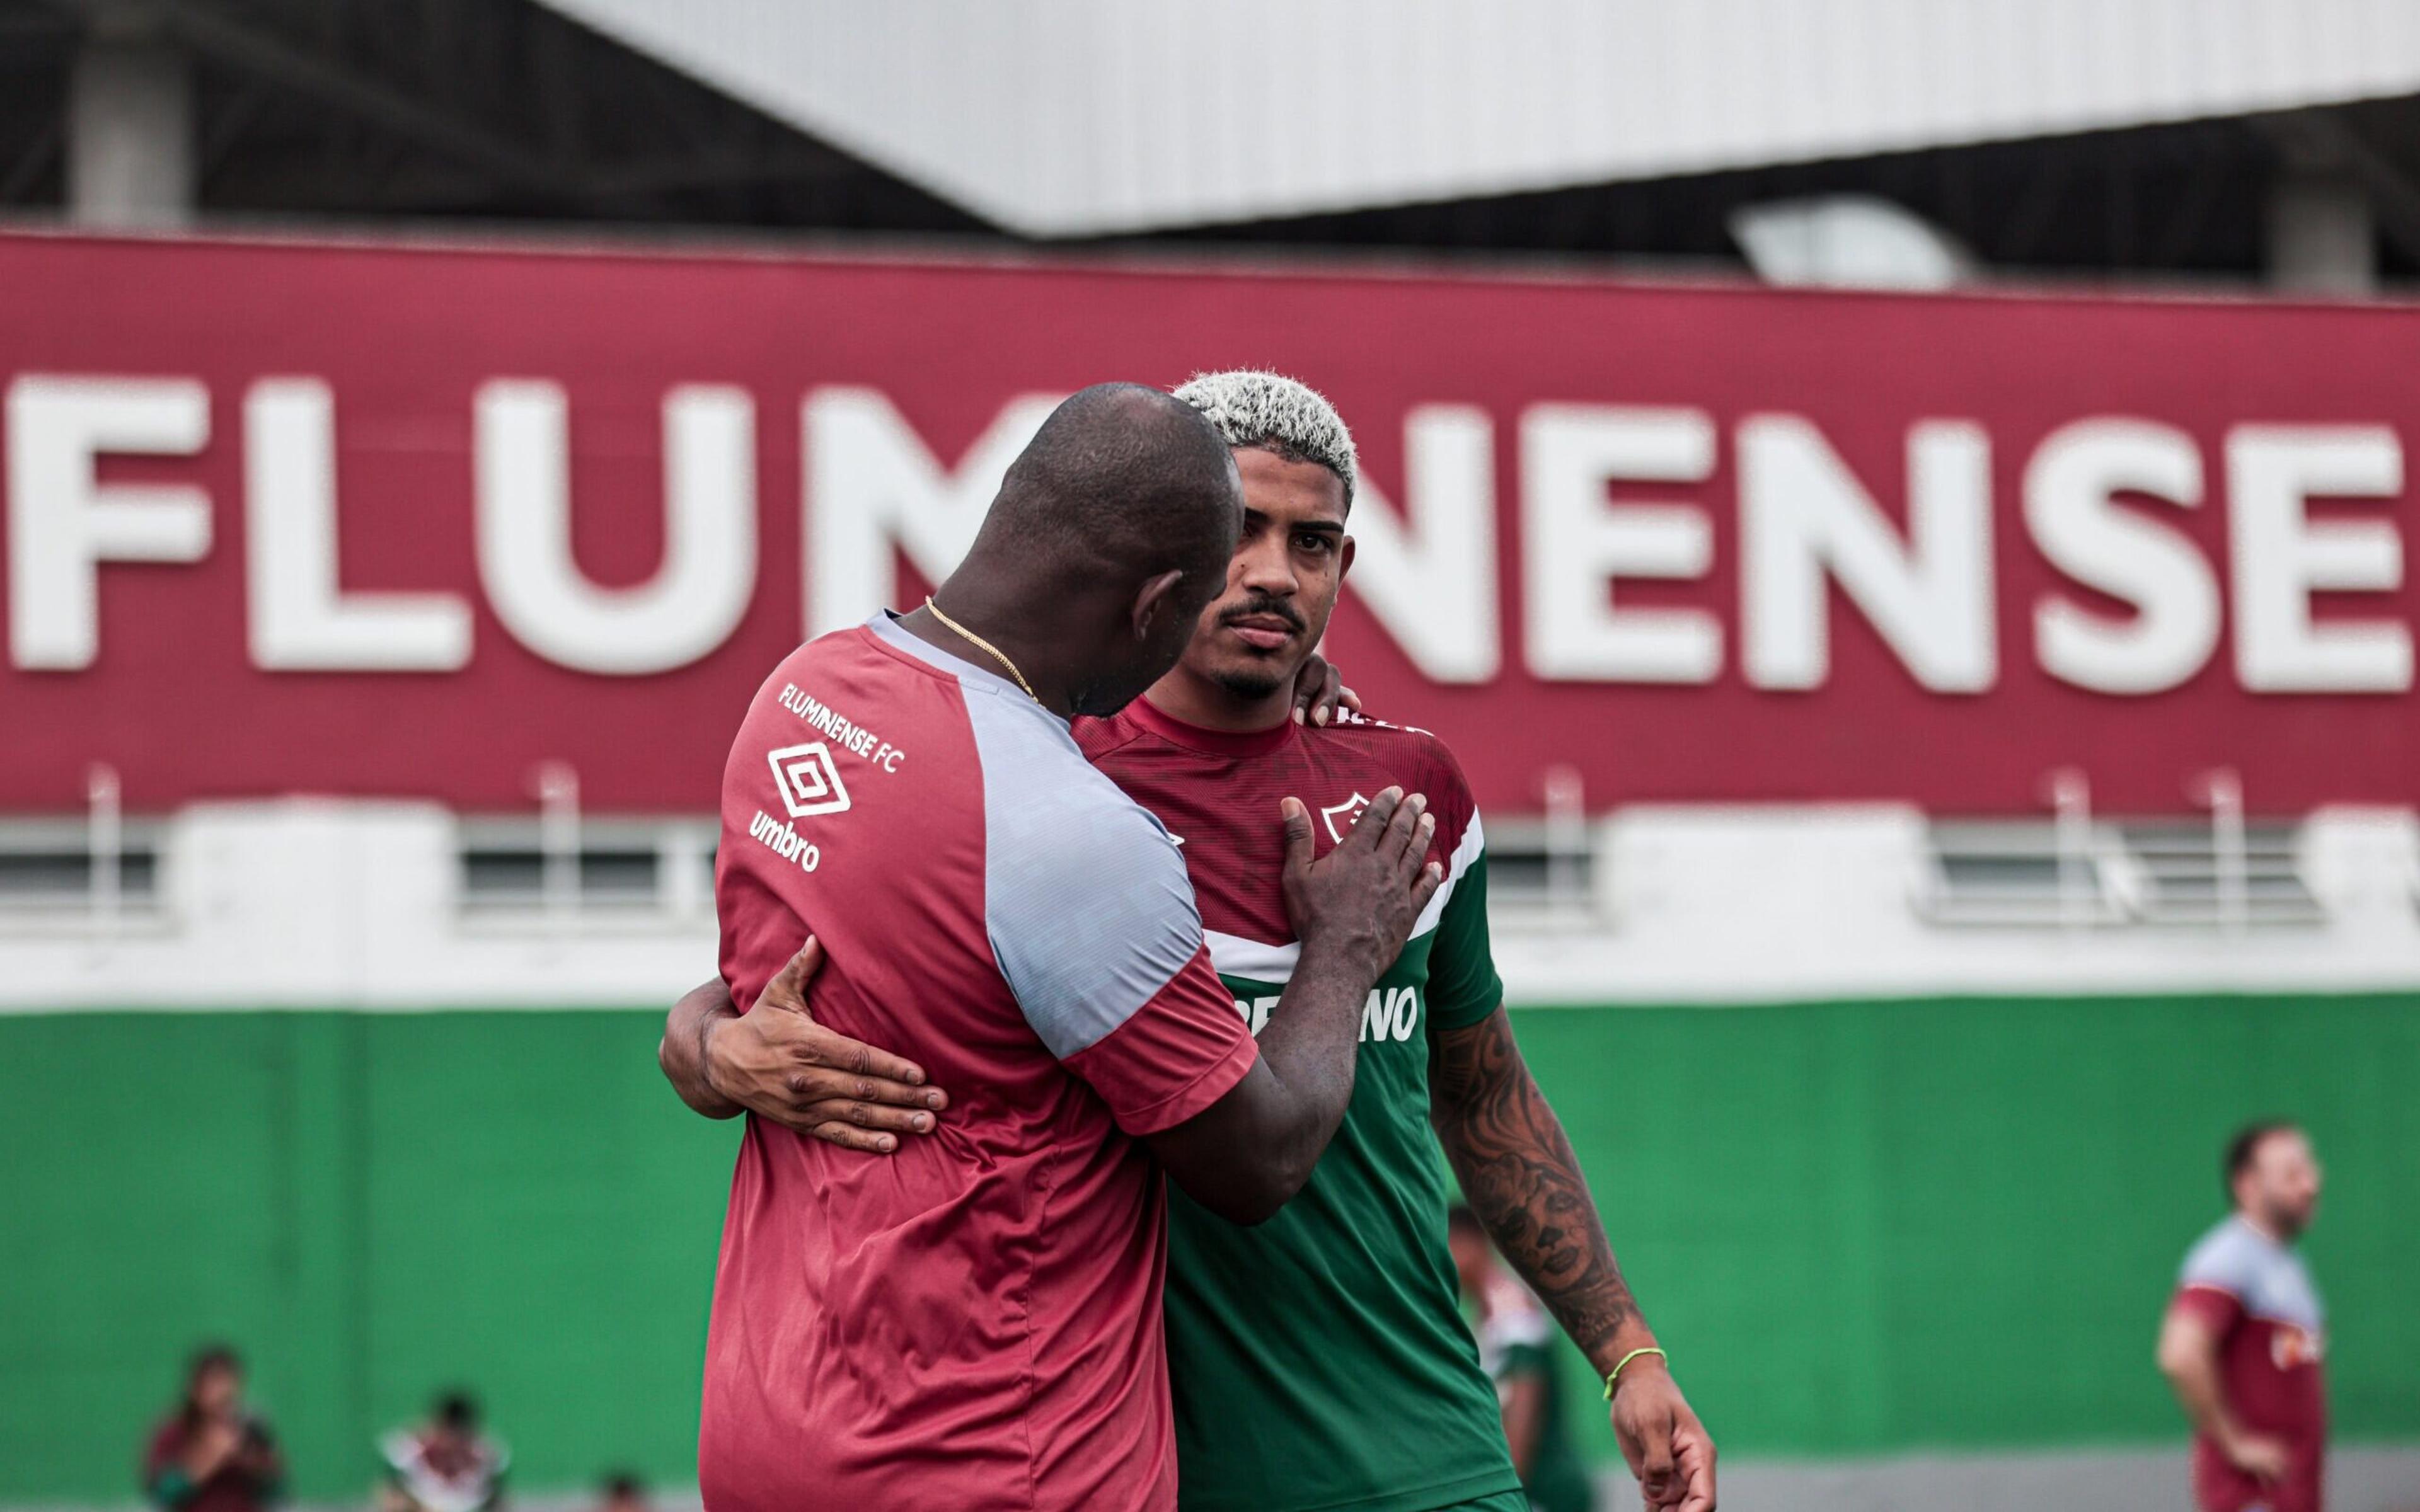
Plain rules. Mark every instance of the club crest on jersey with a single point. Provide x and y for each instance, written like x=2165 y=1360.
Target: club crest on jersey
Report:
x=2289 y=1347
x=1341 y=816
x=807 y=779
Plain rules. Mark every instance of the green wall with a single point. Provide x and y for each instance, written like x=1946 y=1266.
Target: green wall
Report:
x=372 y=1207
x=1858 y=1226
x=1880 y=1227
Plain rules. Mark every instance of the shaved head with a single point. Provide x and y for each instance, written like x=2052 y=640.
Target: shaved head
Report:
x=1119 y=476
x=1110 y=534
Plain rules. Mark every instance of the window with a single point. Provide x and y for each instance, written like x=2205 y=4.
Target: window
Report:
x=2023 y=874
x=53 y=873
x=592 y=871
x=2099 y=874
x=1541 y=872
x=2189 y=879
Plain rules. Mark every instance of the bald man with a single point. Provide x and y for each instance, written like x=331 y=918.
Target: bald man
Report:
x=975 y=1323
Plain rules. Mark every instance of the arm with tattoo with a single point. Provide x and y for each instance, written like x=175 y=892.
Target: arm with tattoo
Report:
x=1519 y=1175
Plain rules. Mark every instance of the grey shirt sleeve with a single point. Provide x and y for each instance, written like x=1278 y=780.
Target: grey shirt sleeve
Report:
x=1086 y=899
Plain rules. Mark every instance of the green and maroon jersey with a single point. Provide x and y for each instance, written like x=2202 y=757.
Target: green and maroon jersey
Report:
x=1320 y=1360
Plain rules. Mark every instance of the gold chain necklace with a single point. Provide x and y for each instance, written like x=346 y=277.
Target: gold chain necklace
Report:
x=997 y=655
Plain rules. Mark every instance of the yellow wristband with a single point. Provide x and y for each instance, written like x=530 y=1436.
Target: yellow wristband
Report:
x=1623 y=1364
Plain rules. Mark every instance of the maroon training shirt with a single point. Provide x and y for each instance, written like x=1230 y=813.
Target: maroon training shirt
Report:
x=974 y=1322
x=2257 y=1299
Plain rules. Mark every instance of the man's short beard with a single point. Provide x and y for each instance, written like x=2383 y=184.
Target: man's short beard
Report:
x=1249 y=682
x=2289 y=1224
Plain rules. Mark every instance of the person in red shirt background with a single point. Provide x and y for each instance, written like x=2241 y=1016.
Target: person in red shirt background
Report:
x=212 y=1454
x=2245 y=1336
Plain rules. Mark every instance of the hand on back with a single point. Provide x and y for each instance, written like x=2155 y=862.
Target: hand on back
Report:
x=779 y=1063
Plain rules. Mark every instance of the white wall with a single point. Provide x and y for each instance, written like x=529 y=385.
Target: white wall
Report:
x=318 y=904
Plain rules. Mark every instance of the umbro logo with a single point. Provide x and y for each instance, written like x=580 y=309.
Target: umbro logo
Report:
x=807 y=780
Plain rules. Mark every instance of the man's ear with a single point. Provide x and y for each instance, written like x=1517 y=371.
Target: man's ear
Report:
x=1344 y=558
x=1152 y=601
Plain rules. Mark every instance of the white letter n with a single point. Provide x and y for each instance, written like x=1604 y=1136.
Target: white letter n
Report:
x=1804 y=519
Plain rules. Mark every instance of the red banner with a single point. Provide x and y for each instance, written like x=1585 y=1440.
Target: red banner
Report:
x=380 y=520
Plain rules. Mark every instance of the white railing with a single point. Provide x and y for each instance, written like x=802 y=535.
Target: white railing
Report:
x=558 y=831
x=2223 y=791
x=2079 y=879
x=1568 y=884
x=105 y=851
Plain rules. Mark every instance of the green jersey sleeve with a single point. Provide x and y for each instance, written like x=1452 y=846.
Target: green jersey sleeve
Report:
x=1463 y=985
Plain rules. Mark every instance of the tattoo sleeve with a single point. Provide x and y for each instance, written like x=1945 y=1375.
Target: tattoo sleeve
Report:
x=1519 y=1175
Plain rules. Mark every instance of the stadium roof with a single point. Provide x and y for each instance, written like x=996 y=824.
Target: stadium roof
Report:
x=1085 y=117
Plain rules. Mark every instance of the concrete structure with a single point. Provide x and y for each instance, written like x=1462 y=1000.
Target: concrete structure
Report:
x=385 y=907
x=368 y=1088
x=131 y=157
x=2139 y=138
x=1084 y=117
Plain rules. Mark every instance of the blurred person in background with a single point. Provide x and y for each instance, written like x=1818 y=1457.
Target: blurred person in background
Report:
x=622 y=1492
x=2245 y=1334
x=444 y=1465
x=212 y=1454
x=1516 y=1349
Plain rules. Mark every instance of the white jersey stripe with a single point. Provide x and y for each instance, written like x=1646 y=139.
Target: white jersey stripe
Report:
x=1258 y=961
